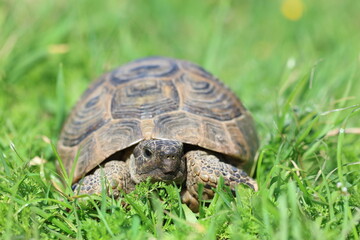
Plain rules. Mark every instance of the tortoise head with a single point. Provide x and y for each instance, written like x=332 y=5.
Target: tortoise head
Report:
x=161 y=160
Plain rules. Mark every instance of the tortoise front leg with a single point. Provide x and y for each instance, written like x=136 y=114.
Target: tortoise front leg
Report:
x=206 y=168
x=115 y=175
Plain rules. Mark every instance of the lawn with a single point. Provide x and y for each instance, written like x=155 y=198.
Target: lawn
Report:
x=295 y=64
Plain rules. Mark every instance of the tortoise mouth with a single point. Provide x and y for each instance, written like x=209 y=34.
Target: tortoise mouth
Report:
x=171 y=173
x=171 y=176
x=158 y=175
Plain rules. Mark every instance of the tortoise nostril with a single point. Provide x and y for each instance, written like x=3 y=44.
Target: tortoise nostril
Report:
x=170 y=157
x=171 y=173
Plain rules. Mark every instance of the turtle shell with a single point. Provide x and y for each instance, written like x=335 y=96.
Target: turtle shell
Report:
x=155 y=98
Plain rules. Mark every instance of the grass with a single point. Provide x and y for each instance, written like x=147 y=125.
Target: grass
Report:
x=298 y=72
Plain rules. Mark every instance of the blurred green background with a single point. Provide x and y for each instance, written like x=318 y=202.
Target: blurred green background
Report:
x=290 y=61
x=258 y=48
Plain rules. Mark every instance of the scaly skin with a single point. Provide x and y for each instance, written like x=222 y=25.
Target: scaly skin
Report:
x=164 y=160
x=117 y=177
x=206 y=168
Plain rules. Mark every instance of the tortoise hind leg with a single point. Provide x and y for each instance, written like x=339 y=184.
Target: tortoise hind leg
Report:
x=116 y=175
x=206 y=168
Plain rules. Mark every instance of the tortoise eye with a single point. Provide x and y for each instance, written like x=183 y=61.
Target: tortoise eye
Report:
x=147 y=153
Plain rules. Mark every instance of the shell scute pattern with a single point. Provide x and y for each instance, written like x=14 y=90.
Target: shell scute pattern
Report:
x=237 y=139
x=197 y=70
x=144 y=99
x=84 y=163
x=87 y=118
x=214 y=132
x=178 y=125
x=249 y=135
x=158 y=98
x=208 y=99
x=144 y=68
x=117 y=135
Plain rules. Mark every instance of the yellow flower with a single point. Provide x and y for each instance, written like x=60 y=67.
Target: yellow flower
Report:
x=292 y=9
x=58 y=48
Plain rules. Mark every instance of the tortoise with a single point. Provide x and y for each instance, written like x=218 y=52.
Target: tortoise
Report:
x=159 y=118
